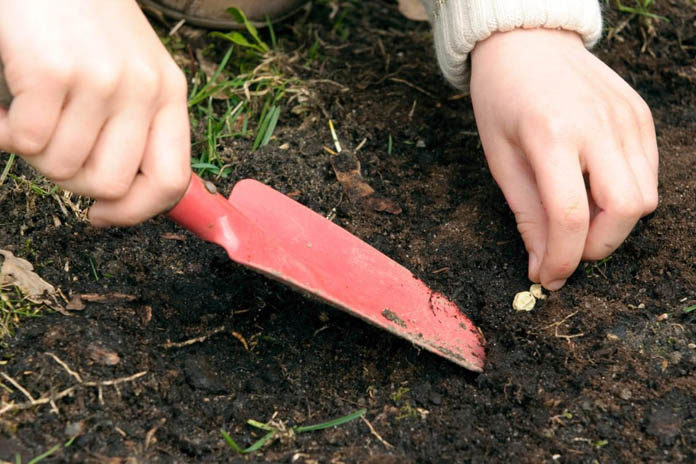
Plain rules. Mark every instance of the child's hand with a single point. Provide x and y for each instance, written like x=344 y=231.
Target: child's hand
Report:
x=99 y=106
x=549 y=113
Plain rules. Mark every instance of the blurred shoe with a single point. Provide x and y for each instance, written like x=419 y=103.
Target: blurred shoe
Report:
x=213 y=13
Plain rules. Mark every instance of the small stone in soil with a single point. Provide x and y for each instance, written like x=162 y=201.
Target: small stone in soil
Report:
x=201 y=375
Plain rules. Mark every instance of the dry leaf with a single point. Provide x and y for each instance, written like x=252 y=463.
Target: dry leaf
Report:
x=102 y=355
x=347 y=168
x=20 y=273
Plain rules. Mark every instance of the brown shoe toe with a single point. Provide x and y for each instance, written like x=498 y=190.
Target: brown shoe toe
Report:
x=213 y=13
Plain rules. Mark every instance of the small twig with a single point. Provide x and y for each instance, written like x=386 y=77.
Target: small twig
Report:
x=191 y=341
x=65 y=366
x=19 y=387
x=561 y=321
x=176 y=27
x=377 y=435
x=107 y=383
x=360 y=145
x=241 y=339
x=413 y=86
x=556 y=325
x=337 y=144
x=150 y=435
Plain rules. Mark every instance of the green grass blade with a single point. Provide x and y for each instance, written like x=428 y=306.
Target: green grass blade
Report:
x=232 y=444
x=257 y=446
x=241 y=18
x=331 y=423
x=269 y=24
x=206 y=90
x=43 y=456
x=688 y=309
x=266 y=116
x=274 y=115
x=8 y=166
x=260 y=425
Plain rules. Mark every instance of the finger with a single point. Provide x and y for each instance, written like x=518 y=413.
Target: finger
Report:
x=31 y=119
x=514 y=175
x=74 y=138
x=616 y=194
x=563 y=194
x=644 y=176
x=164 y=174
x=114 y=162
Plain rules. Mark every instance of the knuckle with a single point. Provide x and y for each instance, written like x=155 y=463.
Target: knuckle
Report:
x=61 y=172
x=148 y=82
x=543 y=127
x=176 y=82
x=627 y=206
x=571 y=218
x=651 y=201
x=58 y=72
x=645 y=117
x=103 y=80
x=173 y=187
x=28 y=140
x=111 y=188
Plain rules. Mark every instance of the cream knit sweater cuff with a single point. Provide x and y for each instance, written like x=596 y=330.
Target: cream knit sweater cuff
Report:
x=459 y=24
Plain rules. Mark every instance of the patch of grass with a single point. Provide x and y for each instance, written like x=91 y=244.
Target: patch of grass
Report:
x=640 y=8
x=40 y=186
x=277 y=430
x=14 y=307
x=248 y=84
x=597 y=267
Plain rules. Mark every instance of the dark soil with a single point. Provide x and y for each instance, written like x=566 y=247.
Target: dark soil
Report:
x=603 y=371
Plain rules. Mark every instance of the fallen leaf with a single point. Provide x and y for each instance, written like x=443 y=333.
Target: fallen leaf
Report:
x=347 y=168
x=20 y=273
x=102 y=355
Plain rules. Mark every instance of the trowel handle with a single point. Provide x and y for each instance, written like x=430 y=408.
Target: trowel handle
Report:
x=201 y=210
x=205 y=212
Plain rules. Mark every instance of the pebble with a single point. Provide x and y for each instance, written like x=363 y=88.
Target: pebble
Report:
x=675 y=357
x=201 y=375
x=625 y=394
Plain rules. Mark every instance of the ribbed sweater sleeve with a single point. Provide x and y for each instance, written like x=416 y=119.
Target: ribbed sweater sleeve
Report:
x=459 y=24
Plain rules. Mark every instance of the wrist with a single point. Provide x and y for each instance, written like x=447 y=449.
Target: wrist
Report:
x=459 y=25
x=500 y=45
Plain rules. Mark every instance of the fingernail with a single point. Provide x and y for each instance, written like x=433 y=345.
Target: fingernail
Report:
x=555 y=285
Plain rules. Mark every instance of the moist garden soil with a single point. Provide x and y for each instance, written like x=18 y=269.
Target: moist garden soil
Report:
x=602 y=371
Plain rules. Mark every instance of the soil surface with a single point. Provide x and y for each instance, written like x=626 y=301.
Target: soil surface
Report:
x=603 y=371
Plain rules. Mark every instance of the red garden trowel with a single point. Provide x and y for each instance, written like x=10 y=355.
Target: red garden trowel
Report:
x=268 y=232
